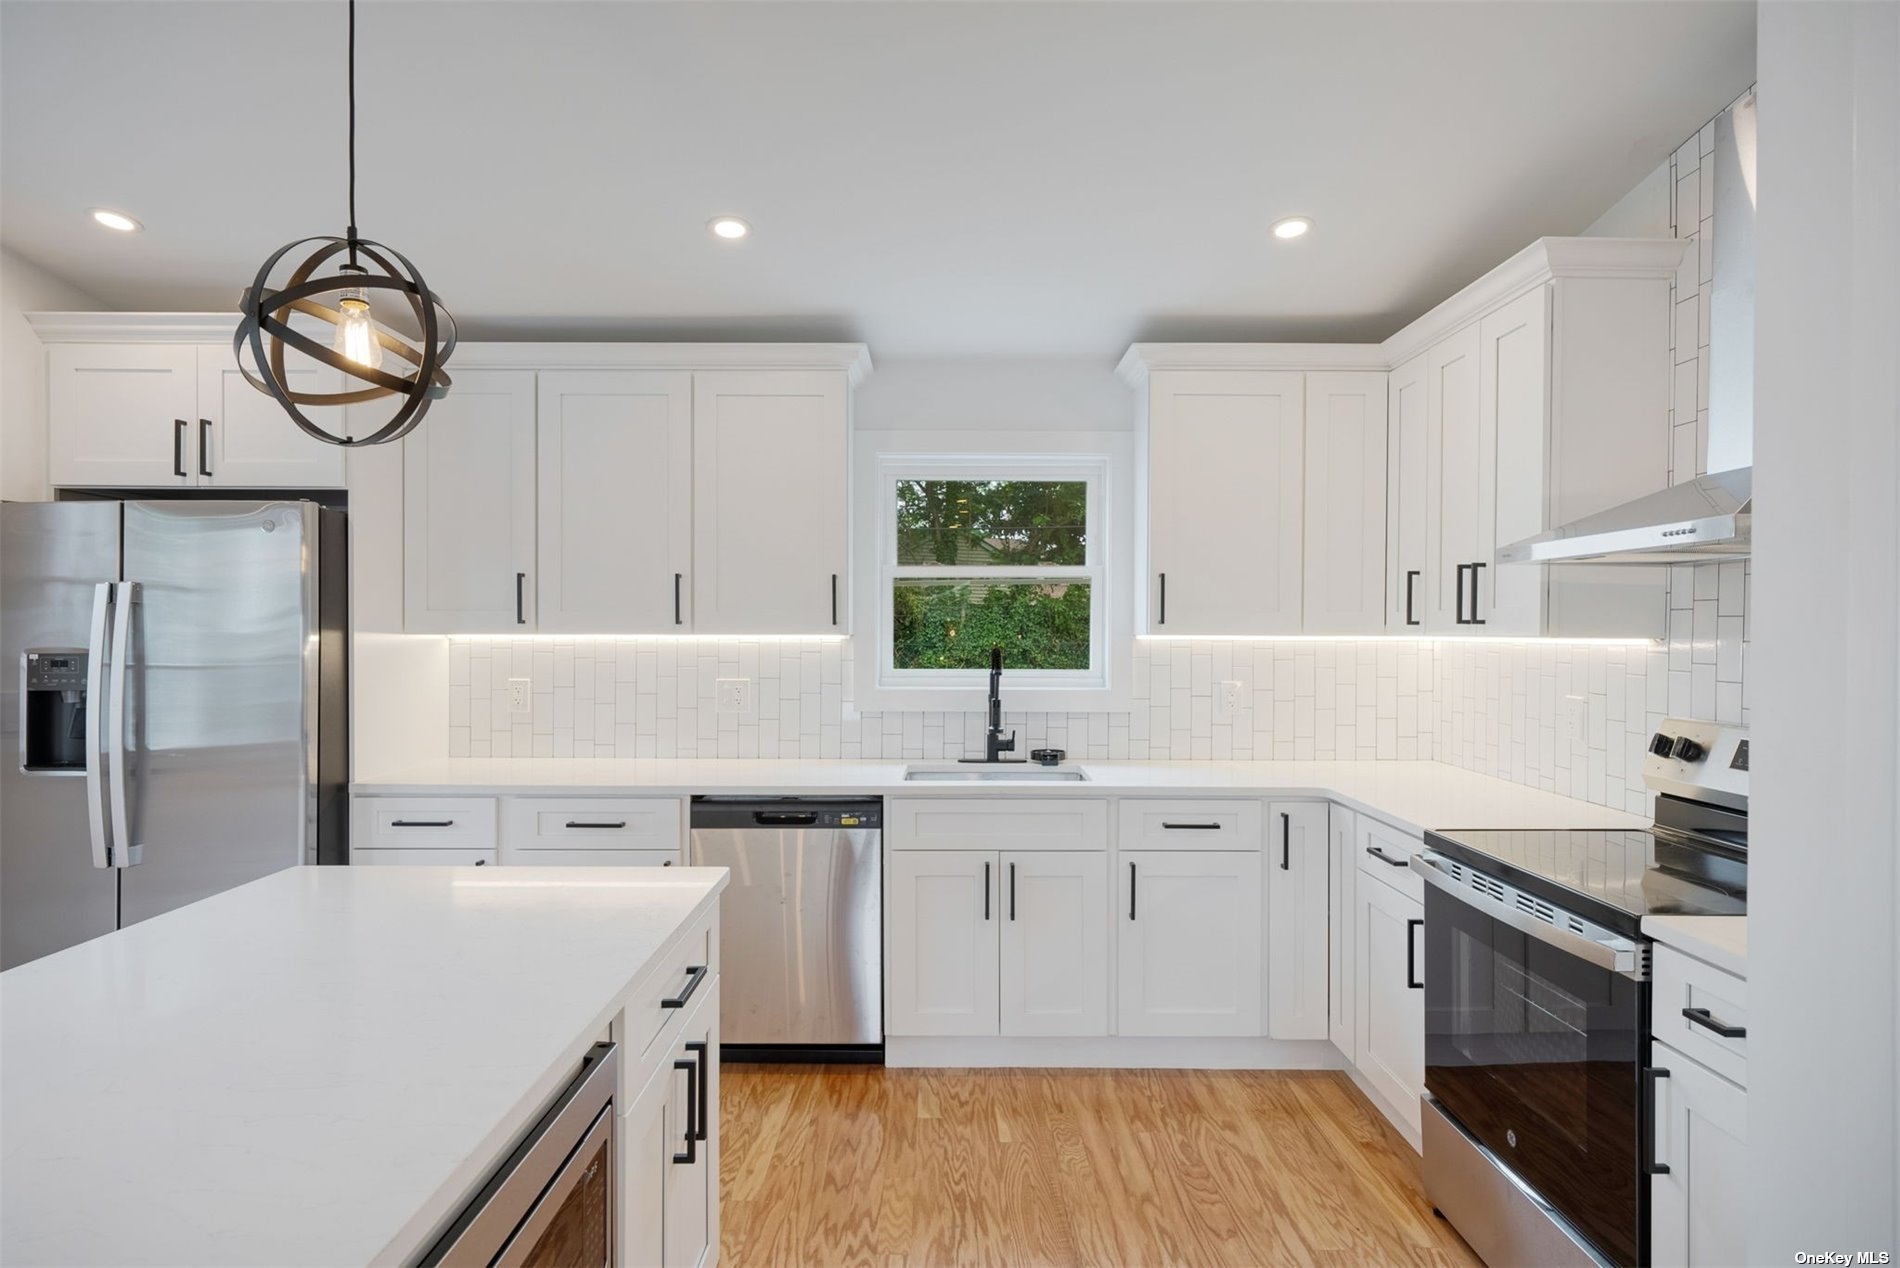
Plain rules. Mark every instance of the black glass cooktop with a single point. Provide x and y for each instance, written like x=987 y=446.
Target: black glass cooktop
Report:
x=1612 y=876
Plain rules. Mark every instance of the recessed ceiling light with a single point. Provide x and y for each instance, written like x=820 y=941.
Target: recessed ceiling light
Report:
x=729 y=227
x=116 y=220
x=1291 y=227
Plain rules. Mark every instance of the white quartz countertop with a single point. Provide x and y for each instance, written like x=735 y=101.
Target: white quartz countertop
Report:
x=1414 y=796
x=315 y=1068
x=1718 y=940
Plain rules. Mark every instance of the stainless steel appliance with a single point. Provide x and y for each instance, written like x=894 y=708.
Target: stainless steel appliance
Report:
x=1539 y=1105
x=553 y=1200
x=801 y=935
x=176 y=712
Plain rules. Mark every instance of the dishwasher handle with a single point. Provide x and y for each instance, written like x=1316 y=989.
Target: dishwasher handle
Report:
x=785 y=818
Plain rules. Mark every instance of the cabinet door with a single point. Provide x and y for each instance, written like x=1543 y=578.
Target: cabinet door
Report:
x=1343 y=870
x=1514 y=426
x=646 y=1148
x=614 y=514
x=1055 y=943
x=1698 y=1211
x=940 y=943
x=468 y=509
x=122 y=415
x=690 y=1226
x=1189 y=946
x=243 y=439
x=1458 y=505
x=1225 y=481
x=1408 y=493
x=1297 y=853
x=769 y=458
x=1345 y=503
x=1389 y=964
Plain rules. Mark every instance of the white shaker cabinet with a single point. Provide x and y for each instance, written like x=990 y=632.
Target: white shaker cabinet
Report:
x=941 y=949
x=1388 y=956
x=1459 y=531
x=1698 y=1208
x=245 y=440
x=1408 y=494
x=1054 y=961
x=769 y=502
x=1225 y=483
x=1188 y=947
x=1297 y=919
x=669 y=1143
x=1341 y=897
x=614 y=510
x=469 y=509
x=1513 y=404
x=1345 y=503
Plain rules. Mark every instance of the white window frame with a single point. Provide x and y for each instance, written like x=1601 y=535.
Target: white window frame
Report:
x=1093 y=470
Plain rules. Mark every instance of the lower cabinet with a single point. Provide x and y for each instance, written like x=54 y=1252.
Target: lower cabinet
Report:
x=1389 y=990
x=983 y=942
x=1297 y=936
x=669 y=1137
x=1698 y=1215
x=1188 y=952
x=1344 y=870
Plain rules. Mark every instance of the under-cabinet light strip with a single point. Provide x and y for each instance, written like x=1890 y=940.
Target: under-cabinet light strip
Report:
x=648 y=638
x=1398 y=638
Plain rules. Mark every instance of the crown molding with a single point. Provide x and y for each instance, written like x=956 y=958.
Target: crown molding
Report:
x=1142 y=359
x=853 y=359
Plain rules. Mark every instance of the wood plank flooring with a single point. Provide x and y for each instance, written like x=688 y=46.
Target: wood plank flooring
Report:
x=843 y=1165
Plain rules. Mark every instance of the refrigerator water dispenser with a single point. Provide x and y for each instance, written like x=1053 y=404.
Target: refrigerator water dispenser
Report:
x=53 y=699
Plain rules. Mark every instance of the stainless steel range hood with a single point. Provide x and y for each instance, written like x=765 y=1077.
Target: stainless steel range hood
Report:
x=1708 y=517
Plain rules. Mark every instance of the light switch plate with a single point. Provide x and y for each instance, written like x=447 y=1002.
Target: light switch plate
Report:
x=518 y=698
x=732 y=695
x=1228 y=698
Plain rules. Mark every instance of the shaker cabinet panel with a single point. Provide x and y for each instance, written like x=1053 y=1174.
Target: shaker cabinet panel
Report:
x=1408 y=493
x=1699 y=1207
x=122 y=415
x=1458 y=532
x=1345 y=503
x=1514 y=418
x=941 y=944
x=243 y=439
x=1055 y=943
x=1189 y=954
x=1389 y=971
x=1297 y=949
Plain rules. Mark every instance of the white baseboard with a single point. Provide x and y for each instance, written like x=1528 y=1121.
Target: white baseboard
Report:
x=1112 y=1052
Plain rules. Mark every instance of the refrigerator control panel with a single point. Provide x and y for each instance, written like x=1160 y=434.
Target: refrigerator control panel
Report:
x=56 y=671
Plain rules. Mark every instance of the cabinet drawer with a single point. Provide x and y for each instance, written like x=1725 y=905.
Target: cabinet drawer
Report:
x=1006 y=823
x=590 y=823
x=649 y=1019
x=589 y=858
x=1681 y=982
x=1386 y=853
x=450 y=856
x=1189 y=825
x=423 y=823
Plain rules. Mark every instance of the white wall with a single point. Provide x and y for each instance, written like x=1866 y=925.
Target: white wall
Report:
x=25 y=287
x=1824 y=888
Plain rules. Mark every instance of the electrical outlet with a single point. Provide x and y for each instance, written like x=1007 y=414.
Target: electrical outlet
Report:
x=1577 y=719
x=519 y=700
x=733 y=695
x=1228 y=698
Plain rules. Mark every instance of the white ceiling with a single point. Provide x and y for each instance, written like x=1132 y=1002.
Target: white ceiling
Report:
x=937 y=179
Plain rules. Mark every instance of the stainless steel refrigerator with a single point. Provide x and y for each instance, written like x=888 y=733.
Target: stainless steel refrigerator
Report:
x=176 y=713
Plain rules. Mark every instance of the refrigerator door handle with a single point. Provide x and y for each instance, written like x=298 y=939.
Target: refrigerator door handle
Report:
x=124 y=853
x=102 y=596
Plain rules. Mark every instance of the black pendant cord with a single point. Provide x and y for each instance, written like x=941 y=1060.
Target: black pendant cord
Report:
x=352 y=91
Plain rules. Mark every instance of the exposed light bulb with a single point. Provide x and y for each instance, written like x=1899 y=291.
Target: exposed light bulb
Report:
x=356 y=330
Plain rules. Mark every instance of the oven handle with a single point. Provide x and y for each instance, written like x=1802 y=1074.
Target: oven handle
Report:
x=1619 y=955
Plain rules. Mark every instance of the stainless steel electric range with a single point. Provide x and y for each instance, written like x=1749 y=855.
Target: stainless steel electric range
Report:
x=1538 y=1120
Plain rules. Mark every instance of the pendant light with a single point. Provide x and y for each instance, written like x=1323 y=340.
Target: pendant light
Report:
x=377 y=361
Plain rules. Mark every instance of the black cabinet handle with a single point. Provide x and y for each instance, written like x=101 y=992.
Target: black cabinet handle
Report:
x=698 y=1048
x=1190 y=827
x=576 y=824
x=678 y=618
x=1286 y=841
x=692 y=1105
x=1163 y=618
x=422 y=823
x=1411 y=953
x=986 y=891
x=1460 y=607
x=178 y=447
x=481 y=862
x=1475 y=618
x=521 y=586
x=1411 y=577
x=1385 y=858
x=1012 y=891
x=834 y=598
x=1131 y=891
x=204 y=446
x=1650 y=1164
x=785 y=818
x=695 y=974
x=1701 y=1017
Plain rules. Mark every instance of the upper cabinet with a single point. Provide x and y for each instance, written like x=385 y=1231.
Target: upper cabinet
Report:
x=1345 y=503
x=165 y=415
x=1408 y=519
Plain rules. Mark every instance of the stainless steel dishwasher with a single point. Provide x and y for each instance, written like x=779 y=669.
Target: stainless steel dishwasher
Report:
x=801 y=937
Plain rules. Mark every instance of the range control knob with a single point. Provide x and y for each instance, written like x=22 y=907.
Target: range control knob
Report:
x=1687 y=750
x=1662 y=745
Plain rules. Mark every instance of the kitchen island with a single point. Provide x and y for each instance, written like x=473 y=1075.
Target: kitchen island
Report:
x=323 y=1066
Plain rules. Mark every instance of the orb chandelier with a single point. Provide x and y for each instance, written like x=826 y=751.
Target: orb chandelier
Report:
x=377 y=361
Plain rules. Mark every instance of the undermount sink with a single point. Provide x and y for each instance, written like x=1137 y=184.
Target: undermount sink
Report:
x=1000 y=773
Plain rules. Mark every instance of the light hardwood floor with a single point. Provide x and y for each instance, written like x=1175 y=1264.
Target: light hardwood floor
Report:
x=844 y=1165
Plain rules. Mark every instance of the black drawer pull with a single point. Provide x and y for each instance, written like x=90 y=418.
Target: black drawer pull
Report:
x=521 y=586
x=1460 y=604
x=1012 y=891
x=785 y=818
x=1385 y=858
x=1163 y=618
x=692 y=1137
x=1411 y=953
x=1286 y=841
x=1650 y=1164
x=1191 y=827
x=422 y=823
x=573 y=823
x=1701 y=1017
x=678 y=618
x=1131 y=891
x=834 y=598
x=481 y=862
x=1475 y=618
x=204 y=446
x=695 y=974
x=698 y=1048
x=1410 y=577
x=986 y=891
x=178 y=446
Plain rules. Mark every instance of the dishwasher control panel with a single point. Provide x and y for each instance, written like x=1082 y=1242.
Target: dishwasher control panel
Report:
x=845 y=813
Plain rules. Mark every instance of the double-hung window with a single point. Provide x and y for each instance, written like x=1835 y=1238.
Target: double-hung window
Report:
x=982 y=553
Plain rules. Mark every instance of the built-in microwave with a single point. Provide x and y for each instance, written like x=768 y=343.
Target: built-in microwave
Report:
x=552 y=1200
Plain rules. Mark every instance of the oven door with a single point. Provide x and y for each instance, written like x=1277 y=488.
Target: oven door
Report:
x=1534 y=1043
